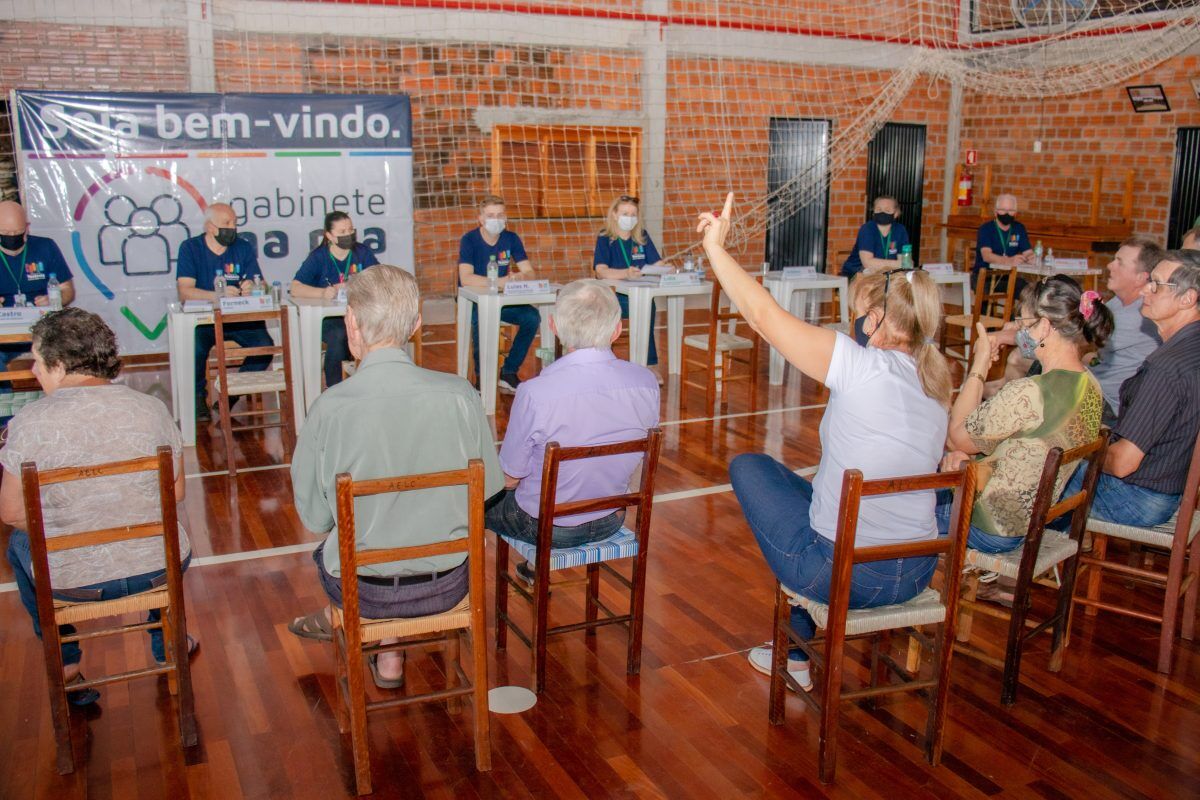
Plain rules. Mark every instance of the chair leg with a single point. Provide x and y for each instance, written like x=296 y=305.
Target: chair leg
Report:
x=779 y=648
x=541 y=616
x=171 y=653
x=1170 y=616
x=339 y=675
x=943 y=652
x=637 y=606
x=183 y=669
x=479 y=682
x=1099 y=549
x=970 y=589
x=59 y=710
x=227 y=432
x=710 y=391
x=912 y=660
x=1016 y=643
x=356 y=688
x=593 y=594
x=451 y=655
x=1062 y=613
x=831 y=704
x=1189 y=599
x=501 y=594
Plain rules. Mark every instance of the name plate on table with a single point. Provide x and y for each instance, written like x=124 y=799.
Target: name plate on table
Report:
x=22 y=315
x=1069 y=264
x=232 y=305
x=791 y=273
x=196 y=306
x=681 y=279
x=527 y=287
x=657 y=269
x=938 y=269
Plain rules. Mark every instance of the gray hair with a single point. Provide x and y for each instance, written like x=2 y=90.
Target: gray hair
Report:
x=1187 y=275
x=386 y=304
x=1194 y=233
x=210 y=212
x=586 y=315
x=1007 y=196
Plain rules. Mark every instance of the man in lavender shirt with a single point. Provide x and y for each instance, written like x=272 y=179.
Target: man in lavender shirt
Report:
x=587 y=397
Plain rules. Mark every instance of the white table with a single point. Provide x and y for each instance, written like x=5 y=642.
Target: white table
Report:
x=641 y=295
x=489 y=305
x=950 y=278
x=181 y=347
x=785 y=291
x=312 y=313
x=1077 y=274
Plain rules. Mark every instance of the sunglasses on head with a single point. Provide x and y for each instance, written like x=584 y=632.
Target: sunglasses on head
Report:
x=887 y=284
x=628 y=198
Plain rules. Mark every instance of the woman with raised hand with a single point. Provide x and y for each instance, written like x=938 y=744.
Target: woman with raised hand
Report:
x=886 y=416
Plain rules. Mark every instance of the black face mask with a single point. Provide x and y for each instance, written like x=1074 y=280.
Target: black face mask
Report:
x=226 y=236
x=1005 y=219
x=12 y=241
x=883 y=218
x=348 y=241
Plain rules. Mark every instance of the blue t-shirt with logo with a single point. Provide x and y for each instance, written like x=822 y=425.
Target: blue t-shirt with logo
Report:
x=1011 y=242
x=321 y=269
x=508 y=252
x=29 y=271
x=875 y=242
x=239 y=262
x=624 y=253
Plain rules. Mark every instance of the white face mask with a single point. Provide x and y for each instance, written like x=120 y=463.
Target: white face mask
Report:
x=493 y=226
x=626 y=222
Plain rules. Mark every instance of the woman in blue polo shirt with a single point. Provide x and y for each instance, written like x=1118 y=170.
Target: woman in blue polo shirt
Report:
x=323 y=274
x=877 y=248
x=623 y=248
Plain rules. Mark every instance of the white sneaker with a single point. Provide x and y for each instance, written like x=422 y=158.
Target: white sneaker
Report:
x=760 y=659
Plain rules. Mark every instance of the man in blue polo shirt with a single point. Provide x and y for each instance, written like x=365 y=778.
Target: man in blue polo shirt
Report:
x=28 y=264
x=488 y=243
x=219 y=250
x=1002 y=242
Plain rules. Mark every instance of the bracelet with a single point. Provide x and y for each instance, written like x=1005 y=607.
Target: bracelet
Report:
x=982 y=379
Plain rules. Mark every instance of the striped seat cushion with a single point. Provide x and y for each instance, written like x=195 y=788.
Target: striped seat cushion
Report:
x=924 y=609
x=254 y=382
x=1056 y=547
x=1158 y=536
x=622 y=544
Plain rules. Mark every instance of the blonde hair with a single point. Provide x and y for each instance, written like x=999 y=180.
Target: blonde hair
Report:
x=491 y=200
x=386 y=304
x=612 y=231
x=914 y=311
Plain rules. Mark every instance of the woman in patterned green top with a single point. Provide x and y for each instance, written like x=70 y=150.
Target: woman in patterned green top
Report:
x=1015 y=429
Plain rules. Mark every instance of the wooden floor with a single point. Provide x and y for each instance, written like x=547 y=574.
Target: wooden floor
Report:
x=693 y=724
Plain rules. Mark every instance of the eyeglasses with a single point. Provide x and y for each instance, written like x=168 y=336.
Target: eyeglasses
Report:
x=628 y=198
x=1153 y=285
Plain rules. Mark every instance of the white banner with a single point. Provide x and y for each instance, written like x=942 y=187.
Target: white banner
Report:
x=120 y=180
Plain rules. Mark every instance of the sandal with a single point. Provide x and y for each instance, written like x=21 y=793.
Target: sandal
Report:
x=380 y=681
x=315 y=626
x=83 y=697
x=193 y=645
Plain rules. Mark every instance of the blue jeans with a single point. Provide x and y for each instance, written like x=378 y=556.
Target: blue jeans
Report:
x=776 y=502
x=652 y=351
x=977 y=538
x=337 y=350
x=246 y=334
x=1123 y=503
x=526 y=318
x=21 y=559
x=507 y=518
x=418 y=598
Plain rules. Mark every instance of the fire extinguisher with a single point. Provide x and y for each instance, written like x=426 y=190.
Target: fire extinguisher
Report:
x=965 y=187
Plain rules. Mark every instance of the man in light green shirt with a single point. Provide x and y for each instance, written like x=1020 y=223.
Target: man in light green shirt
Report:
x=390 y=418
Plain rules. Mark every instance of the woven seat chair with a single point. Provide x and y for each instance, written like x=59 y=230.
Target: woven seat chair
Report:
x=993 y=306
x=717 y=351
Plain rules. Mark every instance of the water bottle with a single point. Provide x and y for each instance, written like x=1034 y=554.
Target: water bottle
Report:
x=1038 y=255
x=766 y=267
x=493 y=274
x=906 y=261
x=219 y=284
x=54 y=293
x=1050 y=257
x=689 y=265
x=258 y=289
x=277 y=294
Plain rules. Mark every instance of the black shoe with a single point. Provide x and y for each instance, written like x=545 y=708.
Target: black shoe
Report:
x=509 y=382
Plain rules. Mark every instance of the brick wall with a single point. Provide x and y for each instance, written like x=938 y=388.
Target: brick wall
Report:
x=39 y=56
x=1079 y=134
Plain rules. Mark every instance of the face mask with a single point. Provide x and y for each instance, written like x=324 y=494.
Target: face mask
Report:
x=348 y=241
x=626 y=222
x=493 y=226
x=1026 y=343
x=883 y=218
x=226 y=236
x=12 y=241
x=1005 y=219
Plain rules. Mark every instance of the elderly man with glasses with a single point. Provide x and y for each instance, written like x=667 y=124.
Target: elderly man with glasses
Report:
x=1147 y=462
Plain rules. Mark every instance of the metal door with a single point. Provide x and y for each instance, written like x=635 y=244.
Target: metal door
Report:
x=896 y=167
x=1185 y=188
x=798 y=152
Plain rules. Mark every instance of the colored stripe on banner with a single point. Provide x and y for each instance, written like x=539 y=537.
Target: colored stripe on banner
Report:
x=230 y=154
x=68 y=156
x=149 y=155
x=407 y=152
x=308 y=153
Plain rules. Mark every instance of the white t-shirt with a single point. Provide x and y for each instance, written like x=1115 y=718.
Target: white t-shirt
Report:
x=881 y=422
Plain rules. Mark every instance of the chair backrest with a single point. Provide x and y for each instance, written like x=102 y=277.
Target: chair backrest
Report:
x=1188 y=501
x=1089 y=456
x=989 y=298
x=548 y=509
x=283 y=349
x=32 y=481
x=953 y=546
x=16 y=374
x=718 y=313
x=352 y=558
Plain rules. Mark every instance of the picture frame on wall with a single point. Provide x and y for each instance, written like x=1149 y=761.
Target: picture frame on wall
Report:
x=1149 y=99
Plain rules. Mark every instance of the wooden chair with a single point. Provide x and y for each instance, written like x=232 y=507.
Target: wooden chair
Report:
x=545 y=559
x=1178 y=537
x=718 y=350
x=270 y=381
x=1043 y=552
x=993 y=306
x=841 y=624
x=53 y=612
x=354 y=637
